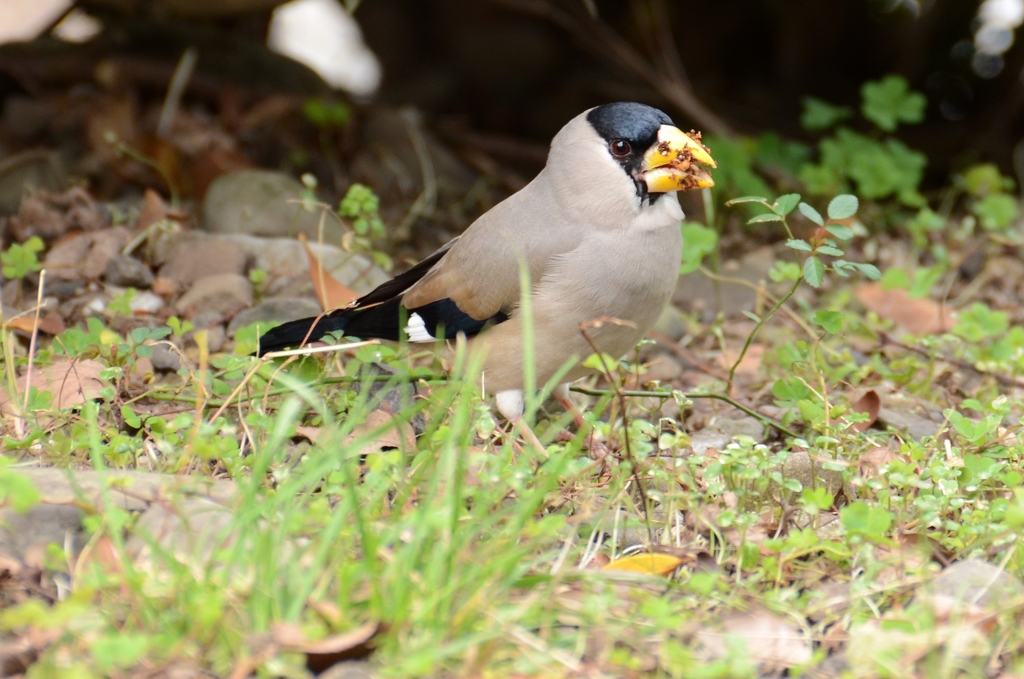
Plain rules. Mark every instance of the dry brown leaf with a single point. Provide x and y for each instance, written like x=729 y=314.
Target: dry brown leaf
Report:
x=869 y=404
x=397 y=434
x=292 y=637
x=329 y=291
x=916 y=316
x=767 y=638
x=153 y=210
x=876 y=457
x=51 y=324
x=70 y=383
x=648 y=564
x=750 y=364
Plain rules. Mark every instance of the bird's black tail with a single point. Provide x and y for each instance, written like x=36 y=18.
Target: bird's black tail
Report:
x=379 y=321
x=304 y=330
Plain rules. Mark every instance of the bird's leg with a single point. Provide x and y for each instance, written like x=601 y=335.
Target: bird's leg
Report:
x=511 y=404
x=561 y=394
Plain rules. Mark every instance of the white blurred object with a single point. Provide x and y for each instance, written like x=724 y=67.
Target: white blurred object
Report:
x=997 y=22
x=322 y=35
x=23 y=20
x=77 y=26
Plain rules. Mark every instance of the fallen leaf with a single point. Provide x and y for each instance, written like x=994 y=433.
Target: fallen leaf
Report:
x=868 y=404
x=767 y=639
x=750 y=364
x=329 y=291
x=153 y=209
x=70 y=383
x=322 y=653
x=648 y=564
x=382 y=430
x=51 y=324
x=916 y=316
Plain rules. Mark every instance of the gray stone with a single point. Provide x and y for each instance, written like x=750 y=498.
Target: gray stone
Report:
x=193 y=255
x=130 y=490
x=165 y=359
x=127 y=272
x=40 y=526
x=917 y=426
x=287 y=265
x=274 y=309
x=975 y=583
x=65 y=256
x=799 y=466
x=190 y=530
x=263 y=203
x=672 y=323
x=221 y=294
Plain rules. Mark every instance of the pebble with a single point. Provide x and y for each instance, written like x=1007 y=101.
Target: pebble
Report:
x=275 y=309
x=127 y=272
x=263 y=203
x=165 y=359
x=194 y=255
x=221 y=294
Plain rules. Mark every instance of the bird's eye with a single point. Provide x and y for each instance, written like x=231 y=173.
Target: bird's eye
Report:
x=620 y=148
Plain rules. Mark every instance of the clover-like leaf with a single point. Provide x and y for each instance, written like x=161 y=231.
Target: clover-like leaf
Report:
x=814 y=272
x=843 y=206
x=889 y=101
x=811 y=214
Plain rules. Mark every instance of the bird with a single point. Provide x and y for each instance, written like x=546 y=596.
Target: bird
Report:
x=597 y=231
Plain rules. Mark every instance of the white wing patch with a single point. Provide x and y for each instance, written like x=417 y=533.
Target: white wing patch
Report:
x=417 y=331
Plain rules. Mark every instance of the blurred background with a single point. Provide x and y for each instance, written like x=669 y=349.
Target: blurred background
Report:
x=443 y=107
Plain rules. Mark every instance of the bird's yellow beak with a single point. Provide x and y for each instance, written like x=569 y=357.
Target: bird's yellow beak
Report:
x=671 y=164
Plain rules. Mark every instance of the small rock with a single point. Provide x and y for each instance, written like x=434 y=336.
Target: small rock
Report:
x=195 y=255
x=165 y=359
x=40 y=526
x=29 y=171
x=287 y=265
x=262 y=203
x=704 y=440
x=215 y=337
x=65 y=256
x=220 y=294
x=146 y=302
x=106 y=245
x=85 y=255
x=973 y=584
x=275 y=309
x=662 y=368
x=127 y=272
x=916 y=426
x=190 y=530
x=672 y=323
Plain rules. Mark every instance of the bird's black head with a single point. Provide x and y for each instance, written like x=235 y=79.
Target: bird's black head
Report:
x=630 y=129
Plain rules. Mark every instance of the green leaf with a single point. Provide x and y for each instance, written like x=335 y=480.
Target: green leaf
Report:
x=20 y=259
x=861 y=518
x=814 y=272
x=996 y=211
x=830 y=251
x=784 y=204
x=889 y=101
x=784 y=271
x=752 y=316
x=831 y=321
x=821 y=115
x=895 y=279
x=766 y=217
x=839 y=231
x=747 y=199
x=790 y=390
x=870 y=271
x=18 y=491
x=698 y=241
x=983 y=179
x=843 y=206
x=130 y=417
x=797 y=244
x=811 y=214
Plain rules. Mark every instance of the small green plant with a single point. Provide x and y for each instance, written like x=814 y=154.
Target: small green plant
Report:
x=19 y=260
x=990 y=200
x=327 y=114
x=878 y=167
x=361 y=207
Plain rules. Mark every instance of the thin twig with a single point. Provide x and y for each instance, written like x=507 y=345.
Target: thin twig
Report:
x=753 y=333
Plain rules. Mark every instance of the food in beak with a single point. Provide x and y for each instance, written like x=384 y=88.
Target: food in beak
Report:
x=673 y=163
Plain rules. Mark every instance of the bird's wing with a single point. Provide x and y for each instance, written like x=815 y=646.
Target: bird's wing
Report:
x=480 y=275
